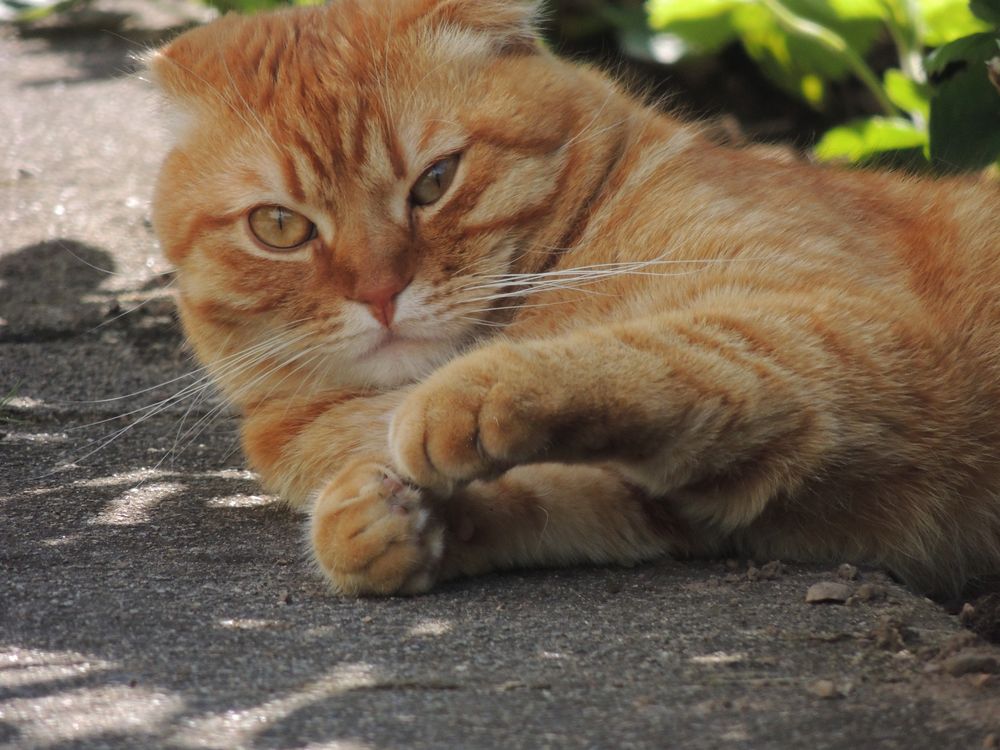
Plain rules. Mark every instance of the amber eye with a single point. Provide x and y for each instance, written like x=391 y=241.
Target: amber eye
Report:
x=434 y=182
x=279 y=228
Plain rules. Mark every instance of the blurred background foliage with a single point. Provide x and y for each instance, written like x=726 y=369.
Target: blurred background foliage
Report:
x=912 y=83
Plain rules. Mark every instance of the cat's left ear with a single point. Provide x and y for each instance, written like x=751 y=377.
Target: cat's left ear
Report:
x=511 y=24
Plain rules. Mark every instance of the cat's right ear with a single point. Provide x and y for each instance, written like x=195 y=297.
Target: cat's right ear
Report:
x=179 y=108
x=510 y=23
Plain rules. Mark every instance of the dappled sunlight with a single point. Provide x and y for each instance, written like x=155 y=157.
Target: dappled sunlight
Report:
x=430 y=626
x=136 y=505
x=236 y=728
x=247 y=623
x=125 y=477
x=66 y=539
x=240 y=501
x=719 y=658
x=77 y=713
x=15 y=436
x=21 y=666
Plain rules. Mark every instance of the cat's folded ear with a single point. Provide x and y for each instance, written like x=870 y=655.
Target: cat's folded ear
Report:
x=510 y=23
x=181 y=69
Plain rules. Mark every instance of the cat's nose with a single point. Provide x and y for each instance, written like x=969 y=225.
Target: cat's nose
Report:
x=381 y=299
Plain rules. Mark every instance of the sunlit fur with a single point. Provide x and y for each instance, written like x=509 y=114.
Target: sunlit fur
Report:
x=615 y=340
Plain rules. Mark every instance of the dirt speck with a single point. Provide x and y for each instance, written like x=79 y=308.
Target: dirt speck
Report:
x=825 y=689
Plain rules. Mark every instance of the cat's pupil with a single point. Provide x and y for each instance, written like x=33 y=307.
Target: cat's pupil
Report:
x=280 y=228
x=434 y=182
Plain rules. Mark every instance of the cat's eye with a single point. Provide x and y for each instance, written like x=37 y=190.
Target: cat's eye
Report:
x=280 y=228
x=435 y=182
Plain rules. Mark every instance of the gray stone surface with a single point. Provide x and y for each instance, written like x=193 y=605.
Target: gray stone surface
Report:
x=151 y=596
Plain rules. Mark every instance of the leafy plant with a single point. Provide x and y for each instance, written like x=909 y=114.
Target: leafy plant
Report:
x=251 y=6
x=943 y=108
x=5 y=402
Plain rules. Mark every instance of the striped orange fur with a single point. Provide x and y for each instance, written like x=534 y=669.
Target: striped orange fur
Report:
x=481 y=309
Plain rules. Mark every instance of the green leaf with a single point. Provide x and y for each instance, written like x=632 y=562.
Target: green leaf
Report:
x=703 y=26
x=862 y=140
x=662 y=13
x=988 y=10
x=794 y=61
x=965 y=107
x=906 y=93
x=946 y=20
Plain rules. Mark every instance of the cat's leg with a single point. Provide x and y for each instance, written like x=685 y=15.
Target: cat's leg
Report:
x=373 y=534
x=557 y=515
x=729 y=408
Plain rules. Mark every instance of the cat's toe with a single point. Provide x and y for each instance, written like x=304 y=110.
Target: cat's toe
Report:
x=435 y=438
x=373 y=534
x=474 y=419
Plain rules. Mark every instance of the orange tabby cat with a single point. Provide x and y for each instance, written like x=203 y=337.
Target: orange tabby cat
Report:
x=481 y=309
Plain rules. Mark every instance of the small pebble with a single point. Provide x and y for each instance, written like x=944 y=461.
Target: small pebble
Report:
x=871 y=592
x=972 y=662
x=847 y=572
x=828 y=591
x=824 y=689
x=284 y=597
x=889 y=635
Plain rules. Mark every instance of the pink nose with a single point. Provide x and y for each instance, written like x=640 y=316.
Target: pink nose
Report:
x=381 y=299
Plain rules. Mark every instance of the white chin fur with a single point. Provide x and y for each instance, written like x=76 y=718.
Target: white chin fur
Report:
x=402 y=362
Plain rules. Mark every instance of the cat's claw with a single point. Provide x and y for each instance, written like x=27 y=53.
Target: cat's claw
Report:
x=374 y=534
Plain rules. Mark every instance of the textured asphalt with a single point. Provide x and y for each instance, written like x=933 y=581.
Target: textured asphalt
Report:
x=151 y=596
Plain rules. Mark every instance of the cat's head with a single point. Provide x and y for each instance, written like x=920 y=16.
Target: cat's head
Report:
x=350 y=183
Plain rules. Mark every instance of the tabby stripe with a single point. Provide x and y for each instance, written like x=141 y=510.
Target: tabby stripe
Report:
x=199 y=227
x=361 y=118
x=502 y=138
x=267 y=438
x=292 y=181
x=394 y=149
x=525 y=215
x=603 y=189
x=528 y=213
x=319 y=167
x=226 y=315
x=721 y=346
x=666 y=352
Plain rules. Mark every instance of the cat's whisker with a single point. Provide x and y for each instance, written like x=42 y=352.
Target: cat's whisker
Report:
x=205 y=421
x=613 y=268
x=197 y=389
x=223 y=362
x=124 y=313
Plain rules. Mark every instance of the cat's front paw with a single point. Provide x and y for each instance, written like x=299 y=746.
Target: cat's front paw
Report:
x=373 y=534
x=475 y=418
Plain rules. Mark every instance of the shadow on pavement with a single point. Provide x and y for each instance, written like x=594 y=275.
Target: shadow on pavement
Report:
x=44 y=289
